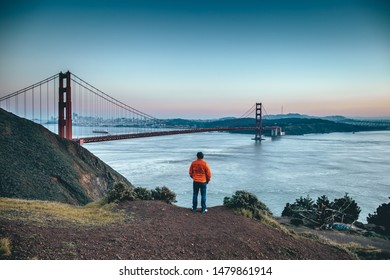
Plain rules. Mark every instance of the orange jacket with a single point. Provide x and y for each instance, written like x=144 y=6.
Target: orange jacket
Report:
x=200 y=171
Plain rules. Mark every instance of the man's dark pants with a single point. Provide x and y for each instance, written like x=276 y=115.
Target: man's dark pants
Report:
x=196 y=187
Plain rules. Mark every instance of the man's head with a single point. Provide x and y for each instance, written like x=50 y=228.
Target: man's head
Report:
x=199 y=155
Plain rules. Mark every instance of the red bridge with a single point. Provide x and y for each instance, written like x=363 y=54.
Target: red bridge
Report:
x=65 y=104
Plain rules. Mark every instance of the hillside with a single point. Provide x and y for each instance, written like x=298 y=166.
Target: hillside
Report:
x=37 y=164
x=146 y=230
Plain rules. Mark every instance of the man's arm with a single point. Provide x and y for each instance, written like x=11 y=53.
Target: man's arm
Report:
x=208 y=173
x=190 y=171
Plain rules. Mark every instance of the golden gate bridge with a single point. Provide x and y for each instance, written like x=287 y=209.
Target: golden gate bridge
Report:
x=74 y=109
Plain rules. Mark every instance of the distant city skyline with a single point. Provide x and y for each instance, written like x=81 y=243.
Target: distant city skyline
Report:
x=207 y=59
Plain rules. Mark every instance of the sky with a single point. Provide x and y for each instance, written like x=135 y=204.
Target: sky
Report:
x=207 y=59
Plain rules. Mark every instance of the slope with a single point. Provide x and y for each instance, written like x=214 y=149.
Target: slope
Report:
x=37 y=164
x=150 y=230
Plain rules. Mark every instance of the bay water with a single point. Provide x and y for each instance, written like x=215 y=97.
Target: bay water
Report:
x=277 y=171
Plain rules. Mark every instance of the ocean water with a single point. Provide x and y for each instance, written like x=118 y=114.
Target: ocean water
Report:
x=277 y=171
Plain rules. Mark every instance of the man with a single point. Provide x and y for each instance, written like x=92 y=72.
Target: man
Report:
x=201 y=174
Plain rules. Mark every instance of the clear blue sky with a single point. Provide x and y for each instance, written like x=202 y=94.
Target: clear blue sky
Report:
x=210 y=58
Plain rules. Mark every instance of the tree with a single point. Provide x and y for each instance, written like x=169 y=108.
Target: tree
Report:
x=322 y=201
x=324 y=211
x=300 y=206
x=381 y=217
x=343 y=210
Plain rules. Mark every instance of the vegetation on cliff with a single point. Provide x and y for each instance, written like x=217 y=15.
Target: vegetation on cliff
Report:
x=247 y=204
x=121 y=192
x=381 y=218
x=323 y=211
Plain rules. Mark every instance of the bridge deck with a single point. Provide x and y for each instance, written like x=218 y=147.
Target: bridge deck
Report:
x=162 y=133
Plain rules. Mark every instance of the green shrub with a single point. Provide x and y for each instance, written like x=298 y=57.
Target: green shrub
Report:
x=158 y=193
x=164 y=194
x=322 y=201
x=300 y=204
x=381 y=217
x=120 y=192
x=342 y=210
x=324 y=210
x=247 y=201
x=345 y=209
x=143 y=193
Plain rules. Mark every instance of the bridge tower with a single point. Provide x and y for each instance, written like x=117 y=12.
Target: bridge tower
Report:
x=259 y=122
x=64 y=106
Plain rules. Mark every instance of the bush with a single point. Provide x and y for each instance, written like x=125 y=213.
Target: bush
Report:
x=243 y=200
x=345 y=209
x=322 y=202
x=324 y=212
x=381 y=217
x=120 y=192
x=342 y=210
x=164 y=194
x=143 y=193
x=300 y=204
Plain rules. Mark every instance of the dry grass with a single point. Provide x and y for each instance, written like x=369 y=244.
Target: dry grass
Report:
x=365 y=252
x=326 y=241
x=5 y=247
x=265 y=219
x=44 y=212
x=269 y=220
x=245 y=212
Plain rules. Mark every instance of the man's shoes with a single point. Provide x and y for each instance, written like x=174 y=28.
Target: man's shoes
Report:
x=203 y=211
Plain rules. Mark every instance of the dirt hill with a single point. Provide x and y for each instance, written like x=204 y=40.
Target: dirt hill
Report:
x=38 y=164
x=149 y=230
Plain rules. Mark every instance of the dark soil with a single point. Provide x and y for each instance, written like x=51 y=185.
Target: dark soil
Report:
x=161 y=231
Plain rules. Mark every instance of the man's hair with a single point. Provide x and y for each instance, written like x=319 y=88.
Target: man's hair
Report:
x=199 y=155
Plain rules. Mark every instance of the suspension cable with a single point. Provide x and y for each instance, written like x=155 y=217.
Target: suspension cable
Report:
x=29 y=87
x=247 y=113
x=124 y=106
x=266 y=113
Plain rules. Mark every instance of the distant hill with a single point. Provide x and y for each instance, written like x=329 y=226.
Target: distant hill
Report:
x=38 y=164
x=292 y=124
x=287 y=116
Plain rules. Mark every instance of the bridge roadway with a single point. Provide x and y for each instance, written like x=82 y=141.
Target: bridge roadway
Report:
x=162 y=133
